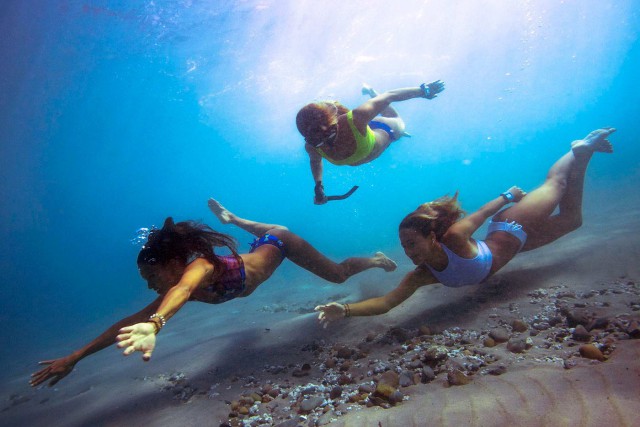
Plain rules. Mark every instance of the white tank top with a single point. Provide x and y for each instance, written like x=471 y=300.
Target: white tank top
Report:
x=463 y=271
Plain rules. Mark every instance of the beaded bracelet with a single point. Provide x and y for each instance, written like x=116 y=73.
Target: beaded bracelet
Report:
x=347 y=310
x=156 y=326
x=160 y=317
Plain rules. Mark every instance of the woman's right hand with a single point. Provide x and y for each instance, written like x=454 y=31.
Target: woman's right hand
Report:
x=319 y=198
x=330 y=312
x=56 y=369
x=139 y=337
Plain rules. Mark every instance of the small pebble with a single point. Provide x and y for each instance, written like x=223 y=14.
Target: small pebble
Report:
x=396 y=397
x=634 y=329
x=499 y=335
x=590 y=351
x=489 y=342
x=387 y=384
x=310 y=404
x=336 y=392
x=580 y=333
x=519 y=325
x=428 y=374
x=457 y=377
x=516 y=345
x=405 y=379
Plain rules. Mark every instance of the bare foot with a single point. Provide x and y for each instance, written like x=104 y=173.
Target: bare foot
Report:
x=384 y=262
x=596 y=141
x=368 y=90
x=220 y=211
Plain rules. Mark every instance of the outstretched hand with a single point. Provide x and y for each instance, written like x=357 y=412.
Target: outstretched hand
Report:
x=139 y=337
x=431 y=90
x=517 y=192
x=56 y=369
x=330 y=313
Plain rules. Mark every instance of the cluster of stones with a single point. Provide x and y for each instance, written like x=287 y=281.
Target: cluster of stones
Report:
x=570 y=320
x=352 y=378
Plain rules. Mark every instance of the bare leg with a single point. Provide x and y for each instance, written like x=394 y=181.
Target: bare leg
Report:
x=301 y=252
x=389 y=116
x=306 y=256
x=387 y=112
x=227 y=217
x=563 y=188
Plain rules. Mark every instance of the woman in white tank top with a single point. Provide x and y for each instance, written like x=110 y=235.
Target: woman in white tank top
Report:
x=437 y=237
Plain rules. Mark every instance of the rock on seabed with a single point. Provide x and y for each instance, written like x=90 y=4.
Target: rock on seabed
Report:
x=590 y=351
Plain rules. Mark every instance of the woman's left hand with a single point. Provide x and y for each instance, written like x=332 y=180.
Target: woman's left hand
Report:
x=432 y=89
x=518 y=193
x=330 y=313
x=139 y=337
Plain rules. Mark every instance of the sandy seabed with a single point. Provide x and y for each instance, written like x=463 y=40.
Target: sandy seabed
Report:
x=551 y=340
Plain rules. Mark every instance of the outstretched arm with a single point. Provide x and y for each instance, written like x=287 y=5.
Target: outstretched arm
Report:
x=379 y=305
x=367 y=111
x=57 y=369
x=142 y=336
x=468 y=225
x=315 y=160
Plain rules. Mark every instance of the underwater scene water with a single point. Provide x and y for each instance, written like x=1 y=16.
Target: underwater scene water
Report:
x=116 y=114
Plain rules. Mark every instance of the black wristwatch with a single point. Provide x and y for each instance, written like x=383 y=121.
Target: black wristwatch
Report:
x=507 y=196
x=426 y=91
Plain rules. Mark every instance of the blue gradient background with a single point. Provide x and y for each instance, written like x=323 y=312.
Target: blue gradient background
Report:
x=114 y=116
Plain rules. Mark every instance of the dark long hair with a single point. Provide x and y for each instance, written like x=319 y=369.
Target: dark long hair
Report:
x=183 y=240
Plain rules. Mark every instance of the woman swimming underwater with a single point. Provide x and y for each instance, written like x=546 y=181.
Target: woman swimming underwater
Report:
x=438 y=239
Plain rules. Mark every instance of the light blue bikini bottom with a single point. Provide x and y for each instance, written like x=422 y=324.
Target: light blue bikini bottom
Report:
x=512 y=228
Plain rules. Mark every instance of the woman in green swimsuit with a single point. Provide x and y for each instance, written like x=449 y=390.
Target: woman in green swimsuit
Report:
x=353 y=137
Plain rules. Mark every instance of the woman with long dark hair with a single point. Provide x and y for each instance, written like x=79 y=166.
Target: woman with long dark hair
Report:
x=179 y=263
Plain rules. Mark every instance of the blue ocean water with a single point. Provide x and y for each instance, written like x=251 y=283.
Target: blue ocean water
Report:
x=114 y=115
